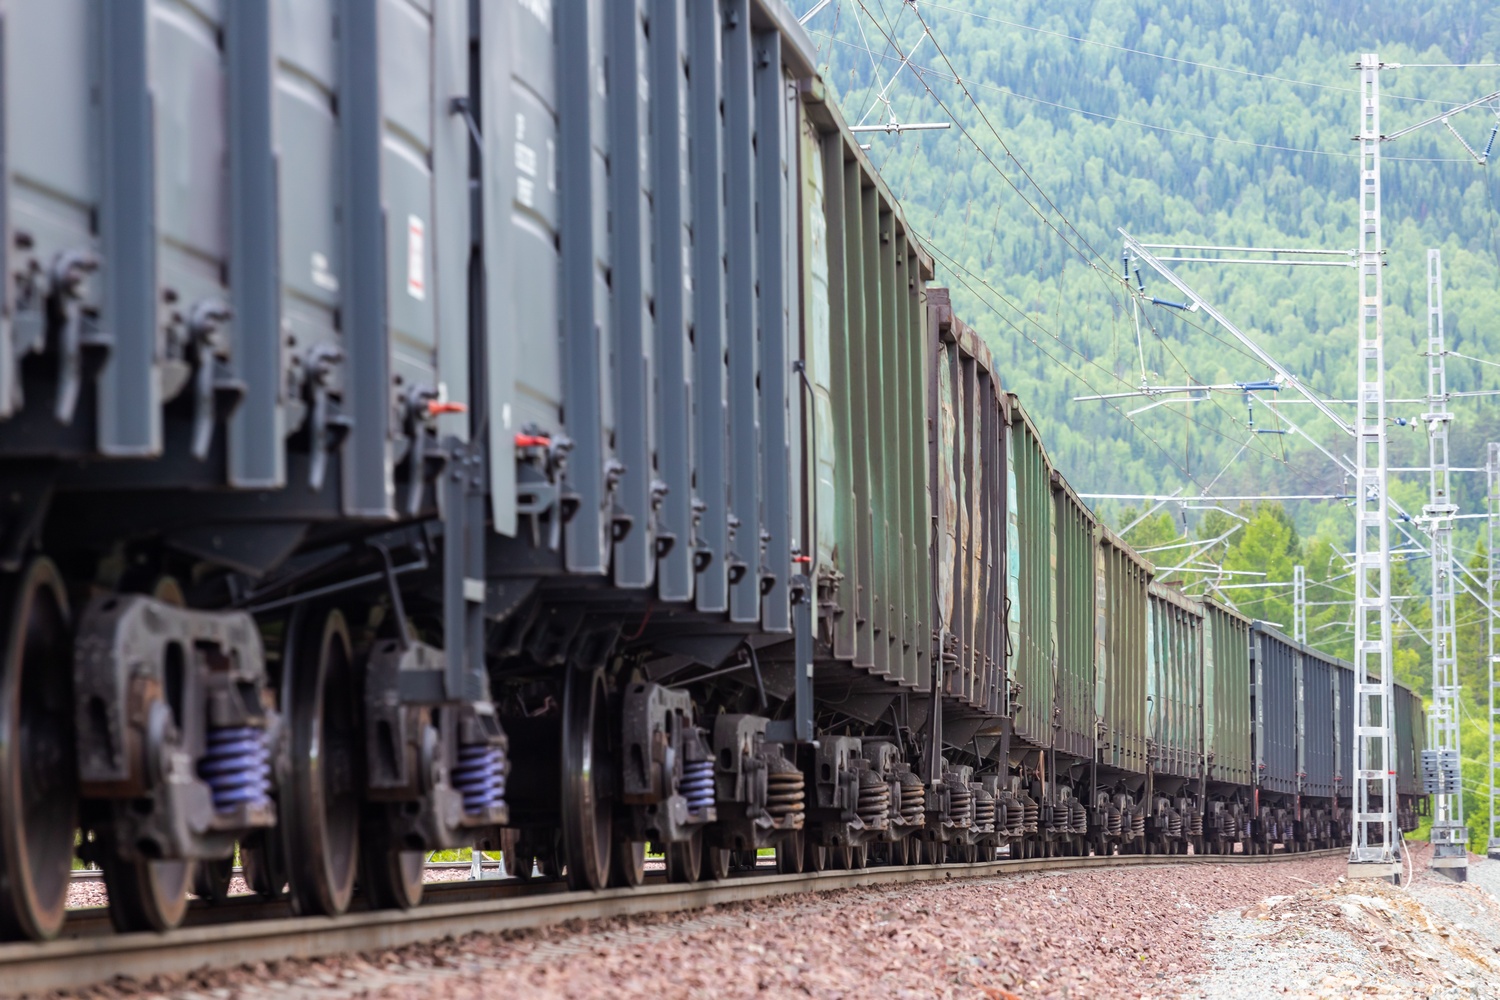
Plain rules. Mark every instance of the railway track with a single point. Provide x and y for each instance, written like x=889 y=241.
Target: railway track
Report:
x=250 y=930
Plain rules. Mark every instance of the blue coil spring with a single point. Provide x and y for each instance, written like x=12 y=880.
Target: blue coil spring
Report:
x=697 y=784
x=237 y=767
x=480 y=776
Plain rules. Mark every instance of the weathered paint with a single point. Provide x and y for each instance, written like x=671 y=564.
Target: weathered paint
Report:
x=1032 y=675
x=1123 y=669
x=1175 y=682
x=1074 y=529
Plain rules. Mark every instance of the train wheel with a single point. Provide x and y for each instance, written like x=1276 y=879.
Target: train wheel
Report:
x=789 y=854
x=586 y=787
x=211 y=881
x=814 y=856
x=898 y=851
x=627 y=867
x=38 y=812
x=146 y=895
x=391 y=879
x=685 y=860
x=321 y=808
x=716 y=863
x=859 y=857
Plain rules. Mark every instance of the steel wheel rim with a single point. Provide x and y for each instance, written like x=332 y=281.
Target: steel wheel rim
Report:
x=587 y=826
x=789 y=854
x=716 y=863
x=36 y=743
x=401 y=879
x=628 y=864
x=685 y=860
x=325 y=800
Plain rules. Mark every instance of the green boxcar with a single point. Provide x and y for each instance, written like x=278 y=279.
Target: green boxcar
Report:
x=1226 y=693
x=967 y=465
x=1032 y=668
x=1174 y=681
x=1122 y=581
x=865 y=317
x=1075 y=528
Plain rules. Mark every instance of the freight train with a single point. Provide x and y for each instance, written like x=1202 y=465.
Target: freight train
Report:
x=528 y=423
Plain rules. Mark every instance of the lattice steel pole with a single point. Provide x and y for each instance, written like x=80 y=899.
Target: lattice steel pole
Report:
x=1375 y=851
x=1442 y=768
x=1299 y=603
x=1492 y=578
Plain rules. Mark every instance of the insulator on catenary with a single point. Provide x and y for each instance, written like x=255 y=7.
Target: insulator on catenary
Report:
x=480 y=776
x=237 y=767
x=697 y=784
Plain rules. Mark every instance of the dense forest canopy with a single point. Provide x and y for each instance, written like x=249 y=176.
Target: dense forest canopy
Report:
x=1214 y=123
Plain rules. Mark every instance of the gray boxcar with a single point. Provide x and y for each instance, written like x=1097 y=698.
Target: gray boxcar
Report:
x=1317 y=747
x=1226 y=690
x=1275 y=666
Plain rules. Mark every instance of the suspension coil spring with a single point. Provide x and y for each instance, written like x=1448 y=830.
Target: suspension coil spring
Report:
x=913 y=802
x=1174 y=825
x=1080 y=817
x=480 y=776
x=1138 y=824
x=237 y=767
x=784 y=793
x=697 y=784
x=1112 y=821
x=1032 y=813
x=1017 y=816
x=984 y=814
x=1195 y=825
x=959 y=804
x=874 y=803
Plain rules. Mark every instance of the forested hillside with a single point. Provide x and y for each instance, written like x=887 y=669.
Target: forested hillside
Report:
x=1215 y=123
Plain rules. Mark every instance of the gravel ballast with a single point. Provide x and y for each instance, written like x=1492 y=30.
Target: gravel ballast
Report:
x=1431 y=938
x=1121 y=933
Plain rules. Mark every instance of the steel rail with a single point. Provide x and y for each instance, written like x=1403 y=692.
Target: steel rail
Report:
x=87 y=954
x=97 y=874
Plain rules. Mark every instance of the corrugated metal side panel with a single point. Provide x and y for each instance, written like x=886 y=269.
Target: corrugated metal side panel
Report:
x=916 y=527
x=1075 y=527
x=967 y=469
x=873 y=376
x=1408 y=747
x=1032 y=677
x=1122 y=670
x=1227 y=691
x=997 y=640
x=1177 y=708
x=1317 y=735
x=1344 y=759
x=838 y=567
x=51 y=164
x=946 y=495
x=1274 y=658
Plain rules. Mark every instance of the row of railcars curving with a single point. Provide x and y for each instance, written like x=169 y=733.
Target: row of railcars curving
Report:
x=529 y=425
